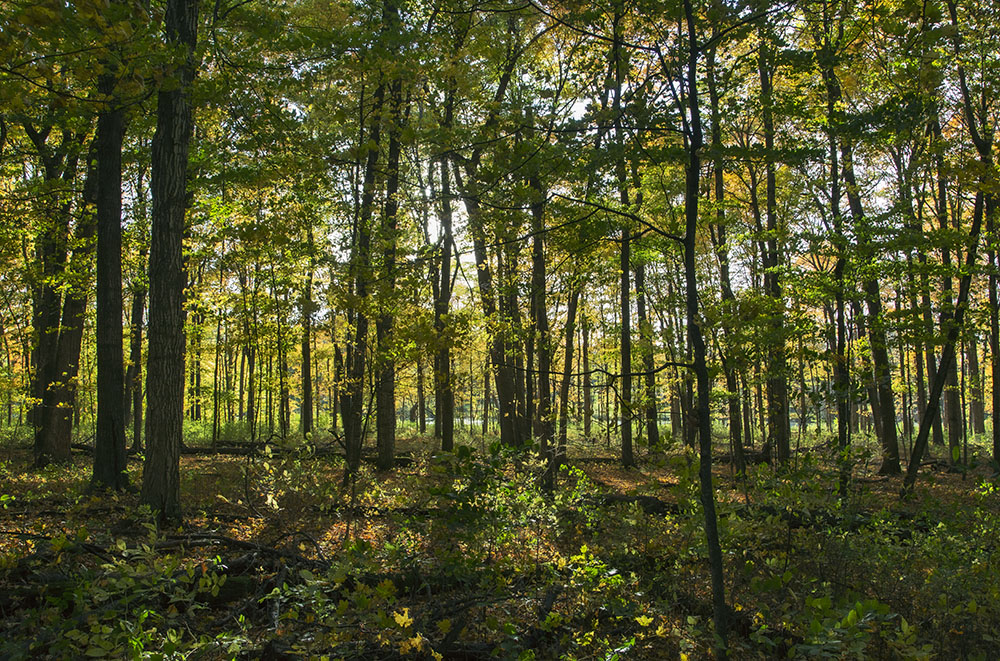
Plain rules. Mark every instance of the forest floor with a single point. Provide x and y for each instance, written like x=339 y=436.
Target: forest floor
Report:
x=462 y=556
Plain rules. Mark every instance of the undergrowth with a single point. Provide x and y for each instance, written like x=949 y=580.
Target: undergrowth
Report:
x=464 y=555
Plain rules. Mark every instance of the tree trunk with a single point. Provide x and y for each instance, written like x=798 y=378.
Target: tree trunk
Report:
x=110 y=462
x=503 y=369
x=625 y=255
x=564 y=387
x=165 y=362
x=722 y=253
x=952 y=396
x=994 y=311
x=977 y=409
x=647 y=351
x=948 y=352
x=306 y=408
x=444 y=392
x=695 y=142
x=777 y=384
x=886 y=425
x=56 y=323
x=543 y=427
x=352 y=399
x=385 y=396
x=588 y=397
x=133 y=376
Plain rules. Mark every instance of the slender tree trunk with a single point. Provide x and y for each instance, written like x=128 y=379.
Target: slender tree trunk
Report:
x=444 y=392
x=722 y=253
x=588 y=397
x=216 y=421
x=625 y=256
x=777 y=385
x=421 y=399
x=695 y=142
x=952 y=397
x=977 y=409
x=133 y=375
x=486 y=400
x=841 y=366
x=948 y=352
x=994 y=311
x=385 y=396
x=564 y=387
x=886 y=425
x=306 y=408
x=647 y=350
x=352 y=399
x=543 y=427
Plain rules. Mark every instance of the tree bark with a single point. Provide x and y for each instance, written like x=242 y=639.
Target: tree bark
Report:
x=722 y=253
x=777 y=379
x=110 y=461
x=564 y=387
x=56 y=321
x=385 y=396
x=306 y=408
x=695 y=143
x=444 y=393
x=352 y=399
x=543 y=427
x=625 y=254
x=165 y=362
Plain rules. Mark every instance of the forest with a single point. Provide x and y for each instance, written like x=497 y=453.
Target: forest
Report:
x=515 y=329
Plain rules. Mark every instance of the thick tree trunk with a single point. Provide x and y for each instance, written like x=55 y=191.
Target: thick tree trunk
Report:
x=56 y=323
x=109 y=446
x=503 y=368
x=165 y=362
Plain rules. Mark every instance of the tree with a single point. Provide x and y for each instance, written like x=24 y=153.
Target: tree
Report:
x=165 y=361
x=110 y=463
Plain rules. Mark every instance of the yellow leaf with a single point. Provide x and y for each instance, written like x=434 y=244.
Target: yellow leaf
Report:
x=444 y=626
x=644 y=620
x=403 y=619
